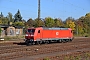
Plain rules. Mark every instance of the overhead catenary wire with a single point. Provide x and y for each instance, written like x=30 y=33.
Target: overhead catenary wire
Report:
x=64 y=11
x=22 y=3
x=52 y=1
x=74 y=5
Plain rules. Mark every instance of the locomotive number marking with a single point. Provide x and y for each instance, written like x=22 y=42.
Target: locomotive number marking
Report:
x=57 y=33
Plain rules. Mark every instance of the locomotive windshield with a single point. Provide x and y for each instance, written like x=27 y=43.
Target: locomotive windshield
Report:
x=31 y=30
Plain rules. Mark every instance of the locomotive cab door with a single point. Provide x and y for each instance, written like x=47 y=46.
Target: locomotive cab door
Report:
x=39 y=34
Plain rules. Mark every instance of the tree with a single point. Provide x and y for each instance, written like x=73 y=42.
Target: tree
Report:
x=58 y=22
x=70 y=23
x=87 y=15
x=41 y=23
x=87 y=19
x=0 y=31
x=49 y=22
x=81 y=22
x=30 y=22
x=84 y=21
x=5 y=21
x=87 y=22
x=10 y=17
x=1 y=15
x=19 y=24
x=17 y=17
x=80 y=30
x=0 y=21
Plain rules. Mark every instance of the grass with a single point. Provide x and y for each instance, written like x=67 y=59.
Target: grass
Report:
x=83 y=56
x=13 y=37
x=46 y=58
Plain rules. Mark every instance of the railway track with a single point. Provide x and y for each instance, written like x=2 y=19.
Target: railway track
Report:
x=17 y=51
x=15 y=48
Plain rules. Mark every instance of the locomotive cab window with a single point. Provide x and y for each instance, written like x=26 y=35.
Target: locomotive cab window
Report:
x=31 y=30
x=38 y=31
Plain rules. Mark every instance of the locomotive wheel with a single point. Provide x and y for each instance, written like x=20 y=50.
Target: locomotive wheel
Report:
x=67 y=40
x=47 y=42
x=28 y=44
x=63 y=40
x=37 y=42
x=40 y=42
x=59 y=41
x=70 y=39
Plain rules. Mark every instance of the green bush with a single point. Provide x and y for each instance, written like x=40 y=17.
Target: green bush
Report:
x=86 y=35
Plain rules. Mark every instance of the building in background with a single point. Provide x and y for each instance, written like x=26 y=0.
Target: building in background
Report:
x=9 y=30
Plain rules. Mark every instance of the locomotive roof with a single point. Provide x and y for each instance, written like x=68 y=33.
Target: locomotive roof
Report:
x=56 y=28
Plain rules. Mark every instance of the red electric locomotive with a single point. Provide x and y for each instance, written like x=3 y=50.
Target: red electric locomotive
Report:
x=47 y=35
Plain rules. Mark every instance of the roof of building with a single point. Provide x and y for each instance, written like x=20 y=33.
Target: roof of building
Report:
x=6 y=26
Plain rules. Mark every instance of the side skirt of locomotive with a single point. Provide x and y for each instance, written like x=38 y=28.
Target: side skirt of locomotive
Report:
x=47 y=41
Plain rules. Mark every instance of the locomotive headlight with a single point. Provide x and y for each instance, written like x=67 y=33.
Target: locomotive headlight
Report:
x=26 y=35
x=32 y=35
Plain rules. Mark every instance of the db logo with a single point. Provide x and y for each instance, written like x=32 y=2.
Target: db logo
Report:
x=57 y=33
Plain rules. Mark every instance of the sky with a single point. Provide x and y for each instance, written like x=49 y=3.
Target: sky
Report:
x=49 y=8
